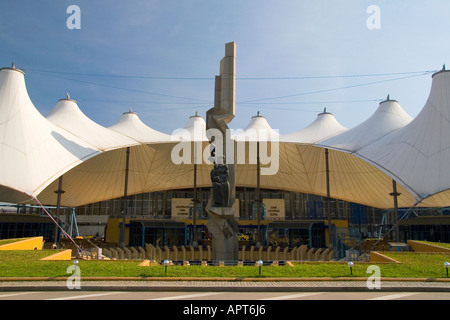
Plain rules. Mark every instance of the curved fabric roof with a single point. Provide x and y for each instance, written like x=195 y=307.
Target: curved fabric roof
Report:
x=387 y=146
x=103 y=177
x=150 y=169
x=417 y=155
x=351 y=178
x=323 y=127
x=29 y=143
x=300 y=167
x=130 y=125
x=194 y=130
x=67 y=115
x=258 y=129
x=389 y=117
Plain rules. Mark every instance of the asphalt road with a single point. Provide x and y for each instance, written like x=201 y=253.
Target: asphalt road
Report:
x=256 y=298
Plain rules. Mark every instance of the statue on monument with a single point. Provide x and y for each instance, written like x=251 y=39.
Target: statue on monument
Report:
x=220 y=185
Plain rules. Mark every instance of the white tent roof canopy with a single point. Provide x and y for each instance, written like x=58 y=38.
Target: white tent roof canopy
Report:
x=67 y=115
x=417 y=155
x=363 y=160
x=131 y=126
x=194 y=130
x=300 y=168
x=34 y=151
x=323 y=127
x=389 y=117
x=258 y=129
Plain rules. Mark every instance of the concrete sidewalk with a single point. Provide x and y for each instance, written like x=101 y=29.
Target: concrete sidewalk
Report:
x=230 y=285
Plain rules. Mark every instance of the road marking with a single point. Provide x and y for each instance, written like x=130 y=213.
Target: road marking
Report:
x=15 y=294
x=293 y=296
x=187 y=296
x=394 y=296
x=86 y=296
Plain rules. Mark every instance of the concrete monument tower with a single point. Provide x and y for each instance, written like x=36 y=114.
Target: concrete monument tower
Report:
x=221 y=223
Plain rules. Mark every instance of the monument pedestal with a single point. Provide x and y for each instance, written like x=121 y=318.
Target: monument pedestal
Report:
x=224 y=229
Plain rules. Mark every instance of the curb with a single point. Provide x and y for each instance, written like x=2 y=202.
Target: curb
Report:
x=226 y=279
x=227 y=284
x=342 y=288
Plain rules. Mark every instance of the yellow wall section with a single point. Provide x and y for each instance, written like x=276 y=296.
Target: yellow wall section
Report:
x=112 y=234
x=379 y=257
x=62 y=255
x=419 y=246
x=337 y=224
x=27 y=244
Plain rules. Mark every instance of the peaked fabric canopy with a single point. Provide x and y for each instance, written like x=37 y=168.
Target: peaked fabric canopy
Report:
x=150 y=168
x=128 y=158
x=258 y=129
x=417 y=155
x=351 y=178
x=131 y=126
x=34 y=151
x=194 y=130
x=389 y=117
x=323 y=127
x=302 y=168
x=67 y=115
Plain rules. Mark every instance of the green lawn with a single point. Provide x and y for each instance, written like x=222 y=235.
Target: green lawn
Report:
x=27 y=264
x=8 y=241
x=439 y=244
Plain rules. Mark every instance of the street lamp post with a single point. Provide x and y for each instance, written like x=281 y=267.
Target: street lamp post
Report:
x=350 y=265
x=166 y=264
x=259 y=264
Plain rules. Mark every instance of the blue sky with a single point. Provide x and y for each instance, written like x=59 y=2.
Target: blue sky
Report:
x=160 y=57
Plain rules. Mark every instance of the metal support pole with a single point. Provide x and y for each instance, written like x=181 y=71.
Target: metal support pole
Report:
x=125 y=199
x=59 y=192
x=73 y=224
x=258 y=200
x=327 y=169
x=395 y=194
x=194 y=211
